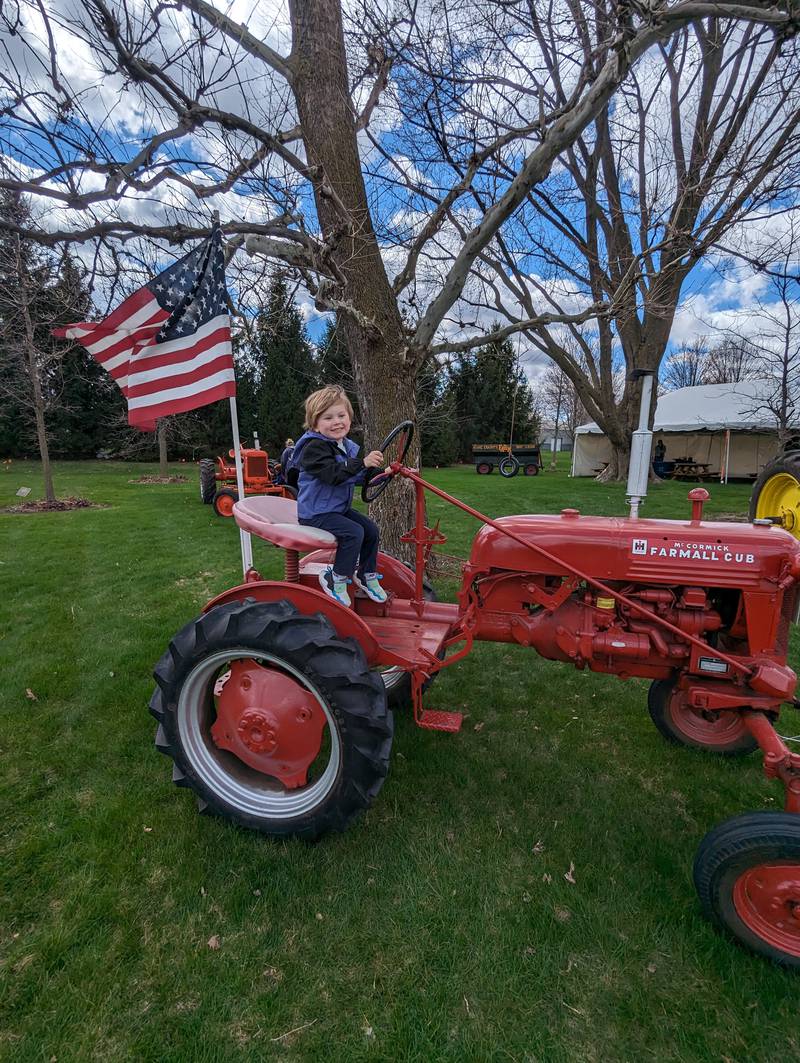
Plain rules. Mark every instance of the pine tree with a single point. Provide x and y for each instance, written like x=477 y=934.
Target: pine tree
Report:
x=334 y=366
x=436 y=417
x=490 y=392
x=284 y=366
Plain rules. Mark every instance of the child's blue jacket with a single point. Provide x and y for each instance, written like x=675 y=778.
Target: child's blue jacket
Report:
x=327 y=476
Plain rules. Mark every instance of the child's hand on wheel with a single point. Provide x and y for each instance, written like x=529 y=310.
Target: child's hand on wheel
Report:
x=374 y=459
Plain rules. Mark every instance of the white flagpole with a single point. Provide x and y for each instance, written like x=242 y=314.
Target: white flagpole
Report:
x=244 y=537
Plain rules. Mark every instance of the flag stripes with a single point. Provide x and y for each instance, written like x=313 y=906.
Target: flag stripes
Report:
x=168 y=346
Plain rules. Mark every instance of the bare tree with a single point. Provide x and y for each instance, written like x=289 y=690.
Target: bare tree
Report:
x=267 y=121
x=562 y=403
x=779 y=348
x=732 y=360
x=36 y=291
x=703 y=132
x=686 y=367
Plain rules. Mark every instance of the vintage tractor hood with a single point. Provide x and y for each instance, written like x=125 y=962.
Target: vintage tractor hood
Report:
x=653 y=551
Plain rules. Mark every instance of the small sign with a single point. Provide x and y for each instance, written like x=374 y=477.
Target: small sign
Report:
x=639 y=547
x=23 y=492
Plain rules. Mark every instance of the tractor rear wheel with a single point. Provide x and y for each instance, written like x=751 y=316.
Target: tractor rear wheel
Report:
x=747 y=875
x=716 y=732
x=224 y=501
x=776 y=493
x=509 y=466
x=273 y=721
x=208 y=480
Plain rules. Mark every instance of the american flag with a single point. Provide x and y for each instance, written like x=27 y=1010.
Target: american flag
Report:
x=168 y=346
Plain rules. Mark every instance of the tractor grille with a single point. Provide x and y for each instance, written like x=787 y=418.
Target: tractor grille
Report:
x=257 y=467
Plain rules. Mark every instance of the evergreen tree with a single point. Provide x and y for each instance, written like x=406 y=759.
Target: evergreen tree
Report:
x=490 y=392
x=284 y=368
x=437 y=417
x=334 y=366
x=86 y=403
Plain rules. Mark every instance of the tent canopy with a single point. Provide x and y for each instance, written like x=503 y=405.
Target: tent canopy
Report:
x=688 y=417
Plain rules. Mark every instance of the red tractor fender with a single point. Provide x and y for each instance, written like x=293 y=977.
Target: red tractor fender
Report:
x=347 y=623
x=398 y=579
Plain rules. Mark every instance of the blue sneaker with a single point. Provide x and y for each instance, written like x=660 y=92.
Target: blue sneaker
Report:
x=335 y=586
x=369 y=583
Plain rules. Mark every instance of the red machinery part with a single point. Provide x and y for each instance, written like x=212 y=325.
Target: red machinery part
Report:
x=767 y=900
x=269 y=721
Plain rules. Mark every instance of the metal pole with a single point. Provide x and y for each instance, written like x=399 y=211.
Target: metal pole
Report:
x=641 y=445
x=244 y=537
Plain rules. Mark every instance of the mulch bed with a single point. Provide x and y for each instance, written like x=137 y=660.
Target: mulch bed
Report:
x=160 y=480
x=61 y=505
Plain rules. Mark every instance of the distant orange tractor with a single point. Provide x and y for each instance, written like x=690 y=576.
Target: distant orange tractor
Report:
x=218 y=479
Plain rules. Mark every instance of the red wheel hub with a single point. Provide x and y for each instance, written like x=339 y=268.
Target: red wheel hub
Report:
x=269 y=721
x=708 y=728
x=767 y=900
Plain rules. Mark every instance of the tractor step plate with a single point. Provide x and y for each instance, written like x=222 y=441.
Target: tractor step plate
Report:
x=436 y=720
x=411 y=639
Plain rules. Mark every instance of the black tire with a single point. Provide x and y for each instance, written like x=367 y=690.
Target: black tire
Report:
x=208 y=480
x=532 y=470
x=484 y=468
x=289 y=492
x=745 y=890
x=397 y=682
x=722 y=733
x=509 y=467
x=358 y=724
x=223 y=501
x=777 y=488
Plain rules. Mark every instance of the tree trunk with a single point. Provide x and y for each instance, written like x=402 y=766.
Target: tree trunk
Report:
x=163 y=471
x=38 y=398
x=373 y=329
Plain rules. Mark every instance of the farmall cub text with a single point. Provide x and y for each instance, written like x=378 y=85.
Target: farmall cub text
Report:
x=274 y=704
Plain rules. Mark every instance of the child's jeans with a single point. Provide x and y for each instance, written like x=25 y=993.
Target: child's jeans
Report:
x=357 y=538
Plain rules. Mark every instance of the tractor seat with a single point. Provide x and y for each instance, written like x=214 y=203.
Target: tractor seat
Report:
x=275 y=519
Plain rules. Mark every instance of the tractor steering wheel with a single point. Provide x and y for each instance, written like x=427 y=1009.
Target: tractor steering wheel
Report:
x=394 y=448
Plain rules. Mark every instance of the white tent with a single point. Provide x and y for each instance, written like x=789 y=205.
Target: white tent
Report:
x=705 y=424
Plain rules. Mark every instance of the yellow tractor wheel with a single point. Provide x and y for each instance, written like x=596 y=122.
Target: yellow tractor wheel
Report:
x=776 y=493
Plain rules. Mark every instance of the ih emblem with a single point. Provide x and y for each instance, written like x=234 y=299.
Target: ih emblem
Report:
x=640 y=546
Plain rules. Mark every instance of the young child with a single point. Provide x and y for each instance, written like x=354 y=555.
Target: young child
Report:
x=329 y=469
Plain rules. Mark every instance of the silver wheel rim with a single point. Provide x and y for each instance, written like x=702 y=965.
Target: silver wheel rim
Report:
x=232 y=781
x=392 y=677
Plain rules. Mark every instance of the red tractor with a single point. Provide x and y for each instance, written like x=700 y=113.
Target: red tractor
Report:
x=274 y=703
x=218 y=480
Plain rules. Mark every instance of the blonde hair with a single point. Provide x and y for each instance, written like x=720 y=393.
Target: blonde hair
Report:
x=319 y=401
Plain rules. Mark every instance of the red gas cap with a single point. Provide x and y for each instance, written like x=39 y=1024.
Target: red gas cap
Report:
x=697 y=496
x=570 y=514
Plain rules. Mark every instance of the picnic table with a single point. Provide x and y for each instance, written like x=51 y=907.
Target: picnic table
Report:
x=692 y=470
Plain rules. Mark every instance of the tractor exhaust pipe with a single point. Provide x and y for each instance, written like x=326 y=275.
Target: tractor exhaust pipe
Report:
x=641 y=445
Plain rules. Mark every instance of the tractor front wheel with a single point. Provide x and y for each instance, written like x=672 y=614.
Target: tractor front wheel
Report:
x=776 y=493
x=747 y=875
x=273 y=721
x=224 y=501
x=208 y=480
x=716 y=732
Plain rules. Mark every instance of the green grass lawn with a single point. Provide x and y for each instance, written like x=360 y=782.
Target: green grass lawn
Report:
x=441 y=926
